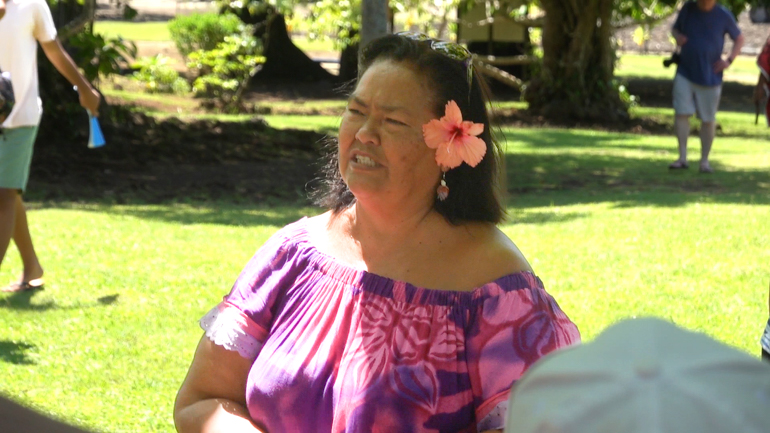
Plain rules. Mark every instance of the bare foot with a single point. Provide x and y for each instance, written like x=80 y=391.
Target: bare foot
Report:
x=34 y=273
x=31 y=279
x=24 y=286
x=678 y=164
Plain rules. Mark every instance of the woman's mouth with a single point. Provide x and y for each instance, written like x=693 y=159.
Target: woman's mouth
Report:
x=364 y=160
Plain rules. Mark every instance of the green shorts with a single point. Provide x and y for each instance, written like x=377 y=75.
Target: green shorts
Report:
x=16 y=156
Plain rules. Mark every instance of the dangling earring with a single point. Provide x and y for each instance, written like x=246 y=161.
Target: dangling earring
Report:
x=442 y=192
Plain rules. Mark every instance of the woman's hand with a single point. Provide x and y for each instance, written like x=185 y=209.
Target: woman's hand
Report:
x=212 y=398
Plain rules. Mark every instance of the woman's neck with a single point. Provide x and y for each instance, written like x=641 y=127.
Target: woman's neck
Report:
x=364 y=238
x=388 y=226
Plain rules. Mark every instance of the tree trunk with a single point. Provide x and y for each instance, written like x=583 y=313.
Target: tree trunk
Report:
x=283 y=60
x=575 y=81
x=374 y=20
x=78 y=23
x=349 y=63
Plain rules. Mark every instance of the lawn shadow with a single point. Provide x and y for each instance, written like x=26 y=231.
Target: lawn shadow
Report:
x=632 y=180
x=15 y=353
x=657 y=92
x=109 y=299
x=561 y=138
x=22 y=301
x=220 y=214
x=541 y=217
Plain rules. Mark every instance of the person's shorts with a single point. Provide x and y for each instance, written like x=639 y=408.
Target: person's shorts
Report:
x=16 y=156
x=691 y=98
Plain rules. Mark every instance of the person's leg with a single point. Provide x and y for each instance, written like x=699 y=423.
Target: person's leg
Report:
x=7 y=218
x=682 y=131
x=707 y=102
x=23 y=241
x=684 y=108
x=707 y=132
x=16 y=145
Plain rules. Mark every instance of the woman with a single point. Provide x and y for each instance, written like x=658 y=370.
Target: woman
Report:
x=764 y=342
x=402 y=308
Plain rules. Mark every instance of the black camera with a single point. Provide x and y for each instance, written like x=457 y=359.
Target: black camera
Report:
x=674 y=59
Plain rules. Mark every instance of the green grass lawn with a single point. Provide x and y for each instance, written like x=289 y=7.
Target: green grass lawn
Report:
x=158 y=31
x=743 y=70
x=306 y=44
x=139 y=31
x=610 y=230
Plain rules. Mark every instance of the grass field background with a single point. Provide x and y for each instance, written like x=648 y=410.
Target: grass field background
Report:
x=134 y=31
x=610 y=230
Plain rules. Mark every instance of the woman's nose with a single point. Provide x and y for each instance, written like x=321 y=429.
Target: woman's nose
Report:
x=368 y=133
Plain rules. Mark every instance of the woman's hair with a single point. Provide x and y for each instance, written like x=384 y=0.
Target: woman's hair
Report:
x=473 y=191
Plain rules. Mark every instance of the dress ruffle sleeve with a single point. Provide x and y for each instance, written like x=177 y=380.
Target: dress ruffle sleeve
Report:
x=242 y=321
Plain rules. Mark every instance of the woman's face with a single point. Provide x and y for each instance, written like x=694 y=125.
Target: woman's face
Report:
x=382 y=153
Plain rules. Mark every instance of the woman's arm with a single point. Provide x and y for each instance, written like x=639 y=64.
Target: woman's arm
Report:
x=212 y=398
x=766 y=336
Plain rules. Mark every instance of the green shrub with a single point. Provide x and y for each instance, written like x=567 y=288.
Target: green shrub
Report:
x=159 y=77
x=98 y=56
x=202 y=31
x=224 y=72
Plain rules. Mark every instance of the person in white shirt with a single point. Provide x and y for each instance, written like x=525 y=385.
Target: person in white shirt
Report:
x=24 y=24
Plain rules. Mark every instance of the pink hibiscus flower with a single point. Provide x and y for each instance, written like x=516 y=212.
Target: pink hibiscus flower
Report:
x=455 y=140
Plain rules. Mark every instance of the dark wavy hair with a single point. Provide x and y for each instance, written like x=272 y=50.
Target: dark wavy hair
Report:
x=474 y=192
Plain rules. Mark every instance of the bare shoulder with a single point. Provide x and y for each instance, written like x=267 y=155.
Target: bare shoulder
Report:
x=493 y=252
x=319 y=222
x=321 y=228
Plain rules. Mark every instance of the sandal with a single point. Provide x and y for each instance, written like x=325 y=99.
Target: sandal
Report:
x=677 y=165
x=24 y=286
x=706 y=169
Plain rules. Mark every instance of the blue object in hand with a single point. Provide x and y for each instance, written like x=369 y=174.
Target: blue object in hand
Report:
x=95 y=136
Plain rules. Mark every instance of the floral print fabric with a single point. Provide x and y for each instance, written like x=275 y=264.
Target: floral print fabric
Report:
x=344 y=350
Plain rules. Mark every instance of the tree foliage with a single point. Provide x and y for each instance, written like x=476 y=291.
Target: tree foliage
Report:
x=224 y=72
x=202 y=31
x=576 y=79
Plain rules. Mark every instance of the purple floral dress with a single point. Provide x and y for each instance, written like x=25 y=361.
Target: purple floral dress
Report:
x=337 y=349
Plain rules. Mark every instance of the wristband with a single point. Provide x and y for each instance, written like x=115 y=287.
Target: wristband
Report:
x=765 y=340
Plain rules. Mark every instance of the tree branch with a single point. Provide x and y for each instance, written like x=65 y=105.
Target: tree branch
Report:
x=79 y=23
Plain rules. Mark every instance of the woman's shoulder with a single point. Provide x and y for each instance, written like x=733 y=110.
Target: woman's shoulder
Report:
x=484 y=254
x=490 y=245
x=290 y=237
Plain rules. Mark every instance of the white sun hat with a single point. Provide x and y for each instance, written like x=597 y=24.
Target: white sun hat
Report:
x=643 y=376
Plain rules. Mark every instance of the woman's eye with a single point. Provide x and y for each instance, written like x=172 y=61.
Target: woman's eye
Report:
x=396 y=122
x=355 y=111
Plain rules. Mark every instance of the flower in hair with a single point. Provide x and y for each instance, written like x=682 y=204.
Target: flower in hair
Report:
x=455 y=140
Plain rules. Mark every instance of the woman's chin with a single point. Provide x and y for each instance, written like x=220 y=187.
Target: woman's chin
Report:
x=364 y=192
